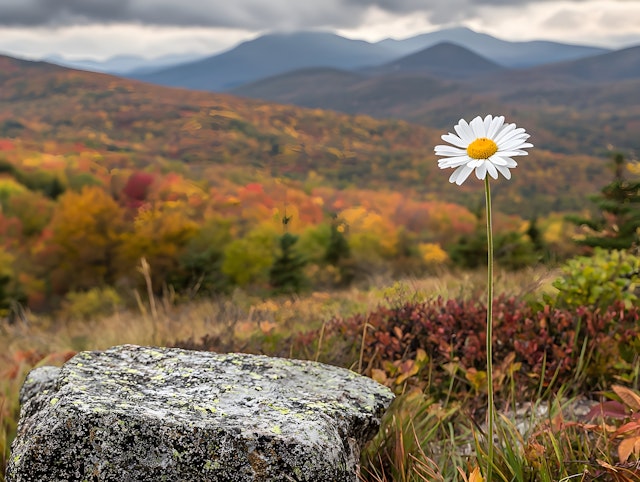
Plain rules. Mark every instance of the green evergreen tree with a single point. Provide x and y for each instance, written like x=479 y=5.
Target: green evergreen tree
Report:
x=470 y=252
x=287 y=272
x=535 y=235
x=5 y=300
x=338 y=252
x=512 y=250
x=201 y=260
x=11 y=297
x=618 y=226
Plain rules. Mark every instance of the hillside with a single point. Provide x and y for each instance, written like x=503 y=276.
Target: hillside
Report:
x=132 y=124
x=614 y=66
x=138 y=122
x=380 y=96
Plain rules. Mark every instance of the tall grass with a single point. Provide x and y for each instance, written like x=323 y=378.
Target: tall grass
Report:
x=421 y=439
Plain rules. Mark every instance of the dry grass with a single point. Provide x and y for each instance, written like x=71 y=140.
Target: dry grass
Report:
x=234 y=321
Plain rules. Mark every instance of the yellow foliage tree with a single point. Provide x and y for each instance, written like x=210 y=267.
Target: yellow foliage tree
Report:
x=432 y=254
x=86 y=232
x=371 y=236
x=247 y=260
x=159 y=235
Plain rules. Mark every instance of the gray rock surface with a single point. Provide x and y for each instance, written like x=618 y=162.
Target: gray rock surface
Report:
x=39 y=381
x=135 y=413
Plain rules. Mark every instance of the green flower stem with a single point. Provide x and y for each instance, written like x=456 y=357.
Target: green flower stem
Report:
x=490 y=407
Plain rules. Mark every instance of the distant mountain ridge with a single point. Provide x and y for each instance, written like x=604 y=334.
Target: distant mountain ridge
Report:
x=275 y=54
x=444 y=60
x=124 y=64
x=506 y=53
x=270 y=55
x=621 y=64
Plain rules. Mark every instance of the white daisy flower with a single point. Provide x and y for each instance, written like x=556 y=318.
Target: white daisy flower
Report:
x=486 y=145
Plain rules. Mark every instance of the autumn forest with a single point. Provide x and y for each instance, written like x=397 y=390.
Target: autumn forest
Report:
x=215 y=192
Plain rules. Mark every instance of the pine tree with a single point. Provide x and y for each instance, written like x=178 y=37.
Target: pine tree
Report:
x=338 y=253
x=338 y=247
x=5 y=300
x=619 y=204
x=287 y=272
x=11 y=296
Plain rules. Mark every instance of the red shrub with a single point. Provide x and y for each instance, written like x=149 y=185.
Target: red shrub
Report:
x=526 y=342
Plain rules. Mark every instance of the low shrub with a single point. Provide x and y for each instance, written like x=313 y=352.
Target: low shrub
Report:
x=90 y=304
x=439 y=346
x=598 y=280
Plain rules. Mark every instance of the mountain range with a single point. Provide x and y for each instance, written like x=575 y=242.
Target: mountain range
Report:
x=278 y=53
x=124 y=64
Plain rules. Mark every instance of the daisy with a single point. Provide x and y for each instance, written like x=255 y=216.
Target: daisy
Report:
x=486 y=145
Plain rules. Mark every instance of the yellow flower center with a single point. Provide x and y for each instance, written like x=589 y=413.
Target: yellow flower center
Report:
x=482 y=148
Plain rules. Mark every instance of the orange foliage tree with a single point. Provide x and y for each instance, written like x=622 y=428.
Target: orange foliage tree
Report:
x=159 y=235
x=85 y=236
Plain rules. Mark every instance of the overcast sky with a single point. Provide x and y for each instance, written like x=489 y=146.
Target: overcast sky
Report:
x=102 y=28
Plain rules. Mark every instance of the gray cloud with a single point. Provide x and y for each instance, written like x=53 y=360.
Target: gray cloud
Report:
x=245 y=14
x=563 y=19
x=443 y=11
x=61 y=12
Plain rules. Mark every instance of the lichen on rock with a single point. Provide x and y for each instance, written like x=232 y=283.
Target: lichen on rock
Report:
x=38 y=380
x=135 y=413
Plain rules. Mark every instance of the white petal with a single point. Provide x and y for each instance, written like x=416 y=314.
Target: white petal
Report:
x=520 y=132
x=464 y=131
x=509 y=135
x=511 y=144
x=504 y=171
x=451 y=165
x=476 y=163
x=453 y=161
x=517 y=139
x=491 y=169
x=512 y=153
x=478 y=127
x=510 y=162
x=496 y=124
x=455 y=140
x=502 y=133
x=497 y=160
x=487 y=124
x=455 y=174
x=481 y=171
x=459 y=162
x=464 y=174
x=449 y=151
